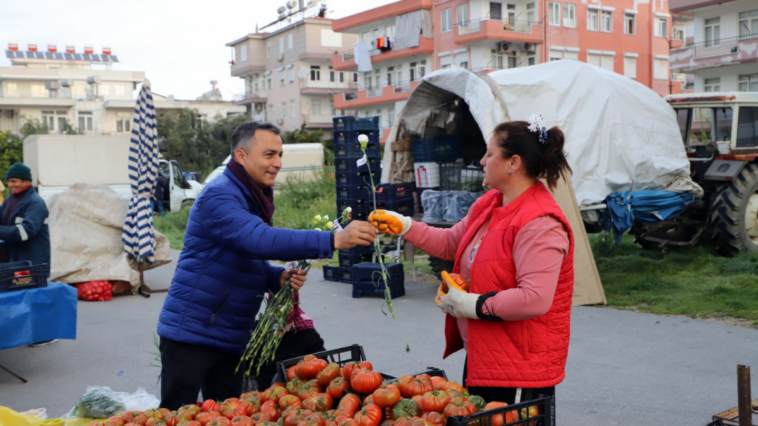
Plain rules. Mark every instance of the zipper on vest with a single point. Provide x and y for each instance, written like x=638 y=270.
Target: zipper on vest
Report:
x=220 y=306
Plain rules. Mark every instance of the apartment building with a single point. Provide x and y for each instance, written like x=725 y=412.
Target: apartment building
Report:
x=79 y=91
x=289 y=78
x=721 y=47
x=410 y=38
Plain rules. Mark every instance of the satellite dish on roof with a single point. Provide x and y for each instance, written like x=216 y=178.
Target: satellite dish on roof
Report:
x=303 y=73
x=281 y=10
x=291 y=4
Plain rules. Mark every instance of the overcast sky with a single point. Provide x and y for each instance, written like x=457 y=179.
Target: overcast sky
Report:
x=180 y=45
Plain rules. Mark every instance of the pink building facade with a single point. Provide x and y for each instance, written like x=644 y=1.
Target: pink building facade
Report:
x=624 y=36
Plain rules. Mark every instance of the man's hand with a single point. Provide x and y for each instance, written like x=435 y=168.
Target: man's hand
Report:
x=356 y=233
x=296 y=277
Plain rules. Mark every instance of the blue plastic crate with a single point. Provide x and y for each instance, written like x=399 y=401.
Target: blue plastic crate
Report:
x=367 y=280
x=350 y=165
x=352 y=192
x=404 y=205
x=357 y=178
x=355 y=123
x=440 y=148
x=355 y=255
x=391 y=192
x=331 y=273
x=22 y=276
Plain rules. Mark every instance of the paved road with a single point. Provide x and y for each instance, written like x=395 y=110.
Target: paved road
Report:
x=624 y=368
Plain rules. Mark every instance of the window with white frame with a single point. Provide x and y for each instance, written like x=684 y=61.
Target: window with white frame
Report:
x=293 y=106
x=342 y=77
x=104 y=90
x=447 y=20
x=496 y=60
x=284 y=110
x=281 y=77
x=390 y=71
x=712 y=32
x=269 y=85
x=749 y=24
x=291 y=74
x=661 y=27
x=268 y=49
x=554 y=13
x=120 y=90
x=569 y=15
x=315 y=73
x=315 y=106
x=332 y=108
x=712 y=84
x=630 y=66
x=661 y=69
x=593 y=59
x=243 y=52
x=85 y=121
x=355 y=77
x=281 y=45
x=48 y=119
x=389 y=30
x=531 y=13
x=571 y=54
x=606 y=21
x=464 y=65
x=592 y=19
x=532 y=60
x=555 y=55
x=748 y=83
x=630 y=26
x=290 y=41
x=378 y=78
x=677 y=34
x=367 y=80
x=332 y=76
x=271 y=113
x=123 y=123
x=391 y=117
x=461 y=15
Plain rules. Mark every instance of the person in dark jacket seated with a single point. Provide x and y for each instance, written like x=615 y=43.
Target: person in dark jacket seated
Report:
x=24 y=234
x=223 y=271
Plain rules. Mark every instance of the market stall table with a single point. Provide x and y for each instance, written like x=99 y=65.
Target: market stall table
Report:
x=37 y=315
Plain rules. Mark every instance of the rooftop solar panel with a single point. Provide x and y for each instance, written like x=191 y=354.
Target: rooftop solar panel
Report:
x=68 y=56
x=39 y=55
x=87 y=57
x=29 y=55
x=114 y=58
x=78 y=56
x=49 y=55
x=95 y=57
x=58 y=55
x=9 y=54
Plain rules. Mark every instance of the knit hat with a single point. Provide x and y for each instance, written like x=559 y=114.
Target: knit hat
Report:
x=19 y=171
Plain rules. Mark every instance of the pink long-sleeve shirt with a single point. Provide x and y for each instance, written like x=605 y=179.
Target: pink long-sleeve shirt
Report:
x=538 y=252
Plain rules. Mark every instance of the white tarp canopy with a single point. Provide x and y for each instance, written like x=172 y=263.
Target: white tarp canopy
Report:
x=620 y=135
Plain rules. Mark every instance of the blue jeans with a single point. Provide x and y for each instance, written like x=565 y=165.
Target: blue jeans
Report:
x=160 y=206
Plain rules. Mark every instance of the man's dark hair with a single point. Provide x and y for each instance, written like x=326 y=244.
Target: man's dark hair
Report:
x=246 y=132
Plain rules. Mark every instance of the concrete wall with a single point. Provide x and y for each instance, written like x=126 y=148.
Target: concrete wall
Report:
x=65 y=160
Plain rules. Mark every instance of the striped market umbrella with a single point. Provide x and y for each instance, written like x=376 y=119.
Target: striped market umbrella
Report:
x=138 y=235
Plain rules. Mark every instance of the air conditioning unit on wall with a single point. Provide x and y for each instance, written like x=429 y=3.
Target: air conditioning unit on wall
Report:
x=504 y=47
x=280 y=58
x=530 y=47
x=279 y=121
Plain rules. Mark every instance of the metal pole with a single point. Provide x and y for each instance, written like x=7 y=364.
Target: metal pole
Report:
x=743 y=396
x=14 y=374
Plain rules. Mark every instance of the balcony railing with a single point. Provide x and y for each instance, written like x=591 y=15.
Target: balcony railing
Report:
x=724 y=46
x=376 y=91
x=508 y=25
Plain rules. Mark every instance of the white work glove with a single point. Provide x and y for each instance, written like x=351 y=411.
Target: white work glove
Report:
x=389 y=222
x=459 y=303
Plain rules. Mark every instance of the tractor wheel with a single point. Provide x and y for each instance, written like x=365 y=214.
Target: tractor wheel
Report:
x=438 y=265
x=734 y=214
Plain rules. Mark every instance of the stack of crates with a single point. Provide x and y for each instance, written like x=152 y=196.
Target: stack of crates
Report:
x=367 y=280
x=354 y=183
x=395 y=197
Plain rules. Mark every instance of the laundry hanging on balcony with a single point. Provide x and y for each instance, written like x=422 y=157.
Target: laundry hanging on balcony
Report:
x=362 y=57
x=385 y=43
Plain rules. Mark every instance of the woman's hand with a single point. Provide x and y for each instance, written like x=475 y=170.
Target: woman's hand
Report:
x=458 y=303
x=296 y=277
x=389 y=222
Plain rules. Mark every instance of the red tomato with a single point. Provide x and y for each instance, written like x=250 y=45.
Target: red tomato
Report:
x=270 y=408
x=370 y=415
x=242 y=421
x=291 y=373
x=294 y=417
x=347 y=422
x=136 y=417
x=210 y=405
x=347 y=369
x=312 y=420
x=320 y=402
x=260 y=417
x=219 y=421
x=435 y=401
x=117 y=421
x=288 y=401
x=435 y=418
x=204 y=418
x=386 y=396
x=405 y=421
x=461 y=407
x=499 y=419
x=449 y=385
x=365 y=381
x=338 y=387
x=152 y=421
x=308 y=368
x=410 y=386
x=325 y=376
x=351 y=401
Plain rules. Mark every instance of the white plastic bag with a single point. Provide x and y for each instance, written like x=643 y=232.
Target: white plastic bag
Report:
x=100 y=402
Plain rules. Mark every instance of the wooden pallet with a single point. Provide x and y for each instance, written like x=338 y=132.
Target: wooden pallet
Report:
x=731 y=417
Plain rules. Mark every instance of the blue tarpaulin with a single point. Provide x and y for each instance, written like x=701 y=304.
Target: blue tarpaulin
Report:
x=642 y=206
x=37 y=315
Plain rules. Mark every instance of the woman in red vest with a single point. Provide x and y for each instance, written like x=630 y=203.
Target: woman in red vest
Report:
x=517 y=250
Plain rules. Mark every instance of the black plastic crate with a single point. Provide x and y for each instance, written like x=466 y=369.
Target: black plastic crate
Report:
x=331 y=273
x=367 y=280
x=440 y=148
x=357 y=178
x=431 y=372
x=352 y=192
x=391 y=192
x=546 y=416
x=345 y=275
x=22 y=276
x=340 y=356
x=350 y=165
x=404 y=206
x=454 y=176
x=353 y=149
x=355 y=256
x=360 y=205
x=355 y=123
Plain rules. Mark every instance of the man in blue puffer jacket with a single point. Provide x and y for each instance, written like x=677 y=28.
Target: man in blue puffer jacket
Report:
x=223 y=271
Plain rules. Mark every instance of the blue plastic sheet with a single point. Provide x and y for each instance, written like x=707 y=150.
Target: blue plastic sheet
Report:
x=643 y=206
x=37 y=315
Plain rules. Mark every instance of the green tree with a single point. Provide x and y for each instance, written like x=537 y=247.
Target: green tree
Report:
x=302 y=136
x=11 y=151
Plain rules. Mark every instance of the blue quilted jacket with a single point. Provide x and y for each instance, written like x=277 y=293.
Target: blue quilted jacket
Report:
x=223 y=271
